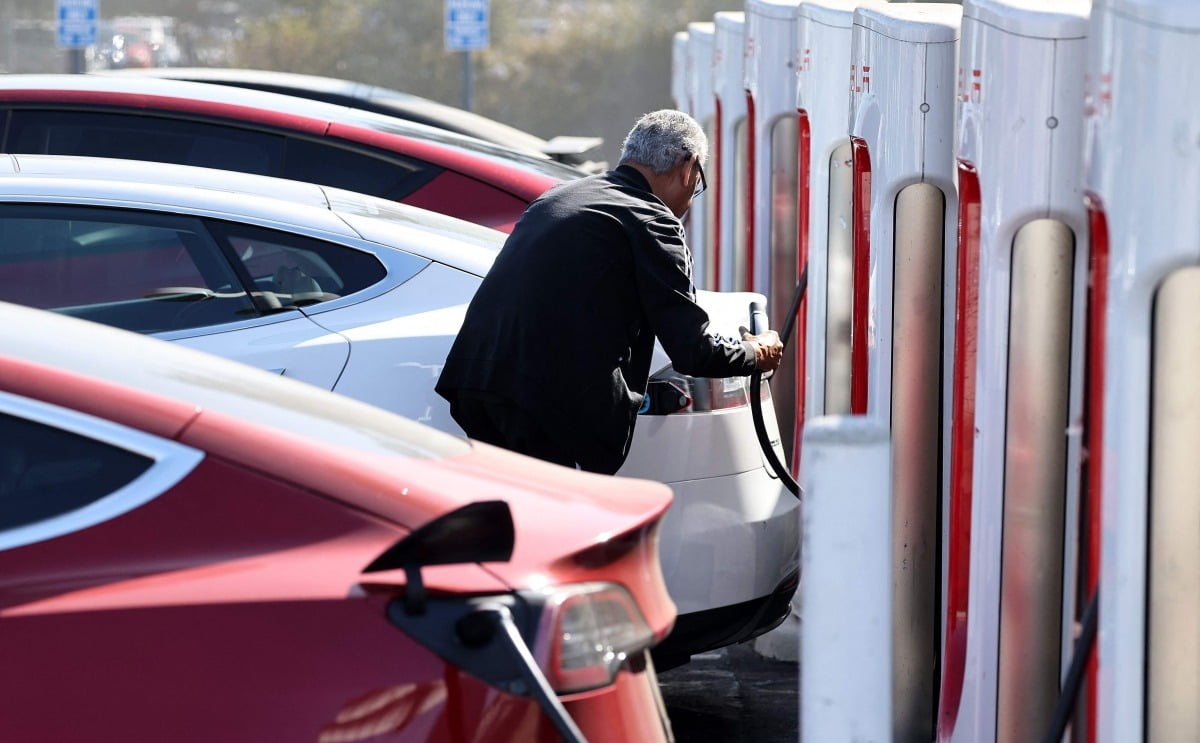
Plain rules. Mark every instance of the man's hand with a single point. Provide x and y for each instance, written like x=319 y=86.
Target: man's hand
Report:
x=768 y=350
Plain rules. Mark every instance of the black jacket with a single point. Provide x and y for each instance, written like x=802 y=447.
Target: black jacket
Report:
x=564 y=323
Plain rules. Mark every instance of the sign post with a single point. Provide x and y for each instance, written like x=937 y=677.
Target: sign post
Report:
x=467 y=23
x=76 y=28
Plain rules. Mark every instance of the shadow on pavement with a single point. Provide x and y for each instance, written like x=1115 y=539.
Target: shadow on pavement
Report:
x=733 y=695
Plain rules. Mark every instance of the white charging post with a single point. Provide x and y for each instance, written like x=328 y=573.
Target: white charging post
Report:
x=730 y=192
x=1143 y=177
x=823 y=36
x=771 y=163
x=680 y=72
x=845 y=606
x=1018 y=368
x=904 y=209
x=703 y=110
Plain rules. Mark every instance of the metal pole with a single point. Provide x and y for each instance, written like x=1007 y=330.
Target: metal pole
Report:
x=468 y=82
x=75 y=55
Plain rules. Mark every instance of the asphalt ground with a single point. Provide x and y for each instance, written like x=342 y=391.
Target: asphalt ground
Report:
x=733 y=695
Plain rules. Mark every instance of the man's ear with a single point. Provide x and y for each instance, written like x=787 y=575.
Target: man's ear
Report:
x=688 y=166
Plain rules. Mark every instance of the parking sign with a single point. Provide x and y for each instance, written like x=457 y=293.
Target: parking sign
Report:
x=466 y=25
x=76 y=23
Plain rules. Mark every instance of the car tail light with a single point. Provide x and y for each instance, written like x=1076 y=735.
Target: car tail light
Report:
x=588 y=630
x=670 y=392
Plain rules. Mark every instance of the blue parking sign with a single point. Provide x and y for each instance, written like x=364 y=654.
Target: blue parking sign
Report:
x=466 y=25
x=76 y=23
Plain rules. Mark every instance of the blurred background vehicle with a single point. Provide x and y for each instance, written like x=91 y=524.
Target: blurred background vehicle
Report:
x=216 y=553
x=571 y=150
x=363 y=297
x=258 y=132
x=132 y=42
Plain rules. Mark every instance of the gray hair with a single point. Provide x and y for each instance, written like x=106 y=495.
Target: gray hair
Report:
x=662 y=139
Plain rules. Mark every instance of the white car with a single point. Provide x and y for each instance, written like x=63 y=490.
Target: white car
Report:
x=363 y=296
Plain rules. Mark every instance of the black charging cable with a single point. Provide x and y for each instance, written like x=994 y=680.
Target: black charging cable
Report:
x=1075 y=674
x=756 y=413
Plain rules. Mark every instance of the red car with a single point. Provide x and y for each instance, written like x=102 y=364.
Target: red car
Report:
x=255 y=131
x=195 y=550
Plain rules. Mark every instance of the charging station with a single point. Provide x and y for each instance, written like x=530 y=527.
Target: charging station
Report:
x=703 y=110
x=680 y=71
x=823 y=36
x=730 y=197
x=1018 y=368
x=771 y=162
x=1143 y=181
x=904 y=209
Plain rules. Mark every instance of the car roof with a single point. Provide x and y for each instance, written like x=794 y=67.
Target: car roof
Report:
x=413 y=108
x=211 y=382
x=256 y=198
x=314 y=117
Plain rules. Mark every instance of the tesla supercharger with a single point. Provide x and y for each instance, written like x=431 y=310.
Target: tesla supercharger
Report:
x=729 y=197
x=1017 y=384
x=700 y=93
x=1143 y=438
x=771 y=170
x=823 y=33
x=904 y=210
x=679 y=71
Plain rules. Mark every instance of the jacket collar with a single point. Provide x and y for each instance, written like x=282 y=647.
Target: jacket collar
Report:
x=634 y=178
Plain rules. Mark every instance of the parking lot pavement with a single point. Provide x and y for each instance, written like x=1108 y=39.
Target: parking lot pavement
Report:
x=733 y=695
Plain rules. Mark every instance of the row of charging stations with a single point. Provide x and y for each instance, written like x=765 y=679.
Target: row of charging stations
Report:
x=1029 y=352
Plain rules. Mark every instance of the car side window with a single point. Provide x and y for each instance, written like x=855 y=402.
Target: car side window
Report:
x=294 y=270
x=139 y=271
x=389 y=176
x=141 y=136
x=47 y=472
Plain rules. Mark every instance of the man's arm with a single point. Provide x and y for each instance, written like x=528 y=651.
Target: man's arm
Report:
x=663 y=273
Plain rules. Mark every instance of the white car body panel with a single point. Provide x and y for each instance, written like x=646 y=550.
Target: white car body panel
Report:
x=386 y=345
x=296 y=348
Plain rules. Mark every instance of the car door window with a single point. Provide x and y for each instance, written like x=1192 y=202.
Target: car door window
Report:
x=140 y=136
x=46 y=471
x=135 y=270
x=226 y=146
x=298 y=271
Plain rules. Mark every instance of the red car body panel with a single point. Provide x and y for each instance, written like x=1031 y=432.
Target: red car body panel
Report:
x=232 y=606
x=151 y=413
x=471 y=200
x=472 y=187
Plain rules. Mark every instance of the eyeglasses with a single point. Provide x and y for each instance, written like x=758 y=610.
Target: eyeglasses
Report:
x=702 y=185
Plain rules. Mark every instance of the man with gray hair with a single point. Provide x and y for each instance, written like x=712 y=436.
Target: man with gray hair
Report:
x=554 y=353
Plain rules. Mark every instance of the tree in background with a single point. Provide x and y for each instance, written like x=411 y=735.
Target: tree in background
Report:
x=587 y=67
